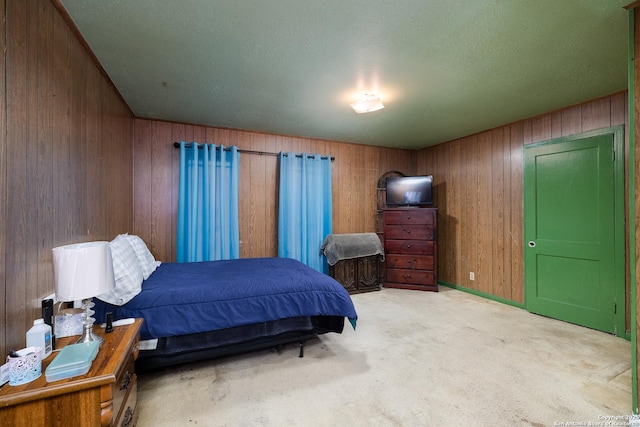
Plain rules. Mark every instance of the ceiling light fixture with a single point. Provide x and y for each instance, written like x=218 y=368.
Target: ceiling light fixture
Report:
x=367 y=103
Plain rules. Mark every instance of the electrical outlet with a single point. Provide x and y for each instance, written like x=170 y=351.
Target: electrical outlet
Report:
x=472 y=275
x=51 y=296
x=38 y=302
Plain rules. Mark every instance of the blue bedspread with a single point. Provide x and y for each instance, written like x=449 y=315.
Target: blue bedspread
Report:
x=187 y=298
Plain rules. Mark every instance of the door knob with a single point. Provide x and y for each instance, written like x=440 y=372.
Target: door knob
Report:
x=532 y=244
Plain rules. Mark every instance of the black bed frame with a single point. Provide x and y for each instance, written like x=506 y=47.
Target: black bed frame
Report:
x=242 y=339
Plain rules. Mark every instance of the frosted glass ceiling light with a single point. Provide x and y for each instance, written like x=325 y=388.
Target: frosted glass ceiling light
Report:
x=367 y=103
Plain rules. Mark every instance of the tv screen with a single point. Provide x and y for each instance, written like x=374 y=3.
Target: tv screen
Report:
x=409 y=190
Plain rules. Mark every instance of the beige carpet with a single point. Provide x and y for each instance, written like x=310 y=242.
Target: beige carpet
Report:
x=416 y=359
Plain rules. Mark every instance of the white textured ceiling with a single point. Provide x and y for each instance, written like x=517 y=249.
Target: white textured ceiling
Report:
x=444 y=68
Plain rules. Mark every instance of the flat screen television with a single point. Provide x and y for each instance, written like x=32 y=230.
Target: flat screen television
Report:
x=410 y=190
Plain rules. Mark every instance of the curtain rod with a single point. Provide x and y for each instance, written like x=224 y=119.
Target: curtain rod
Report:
x=262 y=153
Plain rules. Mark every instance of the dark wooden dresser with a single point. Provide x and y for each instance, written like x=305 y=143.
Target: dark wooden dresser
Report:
x=410 y=245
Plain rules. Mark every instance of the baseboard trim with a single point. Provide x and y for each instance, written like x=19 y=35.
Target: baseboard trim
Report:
x=626 y=335
x=482 y=294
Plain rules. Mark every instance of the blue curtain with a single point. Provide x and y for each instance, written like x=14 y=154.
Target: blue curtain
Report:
x=304 y=215
x=208 y=203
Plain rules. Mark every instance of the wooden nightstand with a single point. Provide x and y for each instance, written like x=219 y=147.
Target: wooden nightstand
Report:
x=104 y=396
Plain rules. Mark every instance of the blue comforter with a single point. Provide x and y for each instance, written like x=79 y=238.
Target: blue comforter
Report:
x=187 y=298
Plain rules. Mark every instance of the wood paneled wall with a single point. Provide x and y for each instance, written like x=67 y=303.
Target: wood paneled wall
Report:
x=68 y=172
x=66 y=165
x=479 y=192
x=355 y=172
x=635 y=64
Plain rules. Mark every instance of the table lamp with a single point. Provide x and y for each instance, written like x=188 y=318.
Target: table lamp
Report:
x=81 y=272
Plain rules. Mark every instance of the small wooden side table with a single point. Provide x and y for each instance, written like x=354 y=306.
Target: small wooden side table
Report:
x=104 y=396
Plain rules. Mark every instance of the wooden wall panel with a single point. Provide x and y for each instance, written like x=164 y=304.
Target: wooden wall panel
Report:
x=45 y=140
x=596 y=114
x=343 y=202
x=540 y=128
x=4 y=324
x=371 y=175
x=65 y=157
x=17 y=200
x=516 y=230
x=556 y=124
x=496 y=238
x=454 y=190
x=571 y=122
x=440 y=168
x=32 y=93
x=469 y=217
x=258 y=203
x=159 y=214
x=355 y=173
x=142 y=182
x=636 y=152
x=242 y=140
x=485 y=215
x=481 y=213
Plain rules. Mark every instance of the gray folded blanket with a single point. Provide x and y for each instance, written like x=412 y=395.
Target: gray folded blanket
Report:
x=337 y=247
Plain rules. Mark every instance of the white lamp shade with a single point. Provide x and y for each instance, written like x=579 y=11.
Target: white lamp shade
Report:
x=82 y=270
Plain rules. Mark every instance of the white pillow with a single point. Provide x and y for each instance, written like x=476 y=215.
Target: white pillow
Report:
x=126 y=271
x=147 y=262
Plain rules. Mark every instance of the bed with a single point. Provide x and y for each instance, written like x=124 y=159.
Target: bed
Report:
x=199 y=310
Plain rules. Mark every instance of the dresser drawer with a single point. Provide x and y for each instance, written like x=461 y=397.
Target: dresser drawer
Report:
x=125 y=381
x=409 y=247
x=128 y=414
x=412 y=262
x=417 y=232
x=416 y=277
x=409 y=216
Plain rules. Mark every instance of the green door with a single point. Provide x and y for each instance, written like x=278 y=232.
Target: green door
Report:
x=570 y=231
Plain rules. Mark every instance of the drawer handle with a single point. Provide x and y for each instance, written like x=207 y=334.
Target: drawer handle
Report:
x=128 y=417
x=126 y=381
x=408 y=245
x=406 y=231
